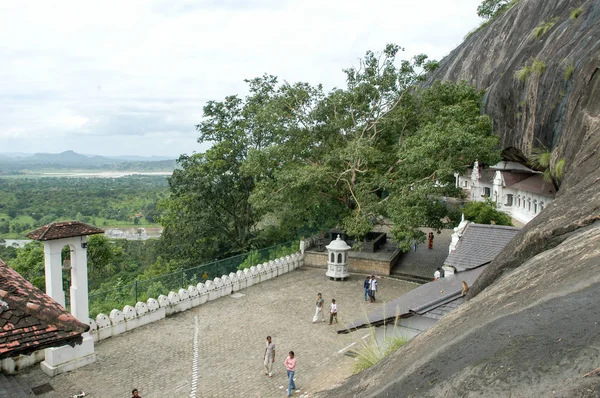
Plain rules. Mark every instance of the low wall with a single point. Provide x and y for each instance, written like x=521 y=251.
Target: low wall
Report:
x=357 y=265
x=143 y=313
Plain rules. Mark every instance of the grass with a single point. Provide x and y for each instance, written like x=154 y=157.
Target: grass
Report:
x=536 y=67
x=542 y=28
x=523 y=73
x=576 y=12
x=569 y=71
x=373 y=351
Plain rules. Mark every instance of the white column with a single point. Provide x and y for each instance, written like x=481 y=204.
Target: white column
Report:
x=53 y=271
x=79 y=283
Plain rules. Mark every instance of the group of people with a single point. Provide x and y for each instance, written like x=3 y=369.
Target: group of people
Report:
x=289 y=363
x=319 y=304
x=370 y=287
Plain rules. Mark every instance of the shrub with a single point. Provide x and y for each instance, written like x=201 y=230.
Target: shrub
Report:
x=485 y=213
x=576 y=12
x=569 y=71
x=542 y=28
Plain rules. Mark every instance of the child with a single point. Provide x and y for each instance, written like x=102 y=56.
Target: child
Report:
x=333 y=312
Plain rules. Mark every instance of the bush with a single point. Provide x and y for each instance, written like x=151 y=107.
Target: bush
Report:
x=485 y=213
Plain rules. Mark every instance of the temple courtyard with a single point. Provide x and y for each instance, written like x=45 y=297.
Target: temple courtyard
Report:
x=216 y=349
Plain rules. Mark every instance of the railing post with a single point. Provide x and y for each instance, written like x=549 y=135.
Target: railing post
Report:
x=136 y=292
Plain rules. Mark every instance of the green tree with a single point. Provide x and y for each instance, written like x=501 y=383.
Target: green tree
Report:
x=485 y=213
x=29 y=263
x=488 y=9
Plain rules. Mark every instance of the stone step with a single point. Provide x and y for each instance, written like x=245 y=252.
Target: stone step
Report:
x=10 y=388
x=410 y=278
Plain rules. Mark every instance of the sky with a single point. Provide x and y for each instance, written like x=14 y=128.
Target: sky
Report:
x=130 y=77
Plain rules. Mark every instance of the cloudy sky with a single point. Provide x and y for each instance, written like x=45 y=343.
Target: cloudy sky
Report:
x=131 y=77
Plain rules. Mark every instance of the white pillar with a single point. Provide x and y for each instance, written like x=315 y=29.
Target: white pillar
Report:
x=53 y=270
x=79 y=282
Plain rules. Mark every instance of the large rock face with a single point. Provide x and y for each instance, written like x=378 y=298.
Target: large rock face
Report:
x=532 y=325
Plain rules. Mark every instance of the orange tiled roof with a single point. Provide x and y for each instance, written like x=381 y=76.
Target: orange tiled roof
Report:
x=31 y=320
x=67 y=229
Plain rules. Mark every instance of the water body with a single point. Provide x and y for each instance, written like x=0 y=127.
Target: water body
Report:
x=16 y=242
x=106 y=174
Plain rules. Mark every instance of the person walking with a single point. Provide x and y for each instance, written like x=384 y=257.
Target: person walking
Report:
x=135 y=394
x=373 y=288
x=430 y=240
x=367 y=286
x=290 y=366
x=319 y=308
x=269 y=356
x=333 y=312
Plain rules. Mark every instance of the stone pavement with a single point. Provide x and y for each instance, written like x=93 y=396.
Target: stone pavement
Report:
x=422 y=263
x=158 y=358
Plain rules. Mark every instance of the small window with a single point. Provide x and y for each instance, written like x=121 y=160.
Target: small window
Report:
x=535 y=206
x=519 y=201
x=541 y=206
x=340 y=258
x=529 y=204
x=465 y=184
x=509 y=200
x=487 y=192
x=332 y=260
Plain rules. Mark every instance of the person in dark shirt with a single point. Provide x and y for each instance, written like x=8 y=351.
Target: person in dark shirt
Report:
x=134 y=394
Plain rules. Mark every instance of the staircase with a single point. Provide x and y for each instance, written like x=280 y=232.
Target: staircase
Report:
x=10 y=388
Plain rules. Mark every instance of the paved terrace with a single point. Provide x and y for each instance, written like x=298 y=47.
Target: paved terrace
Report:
x=158 y=358
x=422 y=263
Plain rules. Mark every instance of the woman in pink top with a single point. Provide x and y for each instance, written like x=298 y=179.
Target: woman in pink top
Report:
x=290 y=365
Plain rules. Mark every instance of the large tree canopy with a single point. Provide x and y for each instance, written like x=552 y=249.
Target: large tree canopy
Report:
x=289 y=158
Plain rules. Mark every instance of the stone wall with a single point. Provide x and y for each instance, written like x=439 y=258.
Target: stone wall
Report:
x=356 y=265
x=120 y=321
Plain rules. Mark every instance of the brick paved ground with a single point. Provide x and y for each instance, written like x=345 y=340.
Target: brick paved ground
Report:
x=423 y=262
x=157 y=358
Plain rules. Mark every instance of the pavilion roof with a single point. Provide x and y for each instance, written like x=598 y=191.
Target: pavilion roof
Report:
x=67 y=229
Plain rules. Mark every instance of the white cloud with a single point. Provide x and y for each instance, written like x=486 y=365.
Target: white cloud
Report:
x=100 y=73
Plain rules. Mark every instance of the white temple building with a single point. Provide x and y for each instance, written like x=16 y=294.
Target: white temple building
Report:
x=519 y=191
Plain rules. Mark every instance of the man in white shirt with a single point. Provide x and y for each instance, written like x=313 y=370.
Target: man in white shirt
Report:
x=373 y=288
x=269 y=356
x=437 y=274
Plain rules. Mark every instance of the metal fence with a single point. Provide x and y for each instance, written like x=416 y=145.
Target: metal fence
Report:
x=141 y=290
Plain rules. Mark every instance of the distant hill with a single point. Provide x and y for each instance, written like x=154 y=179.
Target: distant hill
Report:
x=69 y=160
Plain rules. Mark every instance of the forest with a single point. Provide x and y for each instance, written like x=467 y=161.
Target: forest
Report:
x=28 y=203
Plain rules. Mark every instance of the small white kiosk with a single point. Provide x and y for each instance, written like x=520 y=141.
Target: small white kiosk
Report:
x=56 y=236
x=337 y=259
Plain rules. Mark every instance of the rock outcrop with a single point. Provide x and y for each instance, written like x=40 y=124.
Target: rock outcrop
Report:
x=532 y=325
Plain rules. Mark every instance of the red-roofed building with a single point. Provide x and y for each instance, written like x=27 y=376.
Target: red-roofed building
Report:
x=31 y=320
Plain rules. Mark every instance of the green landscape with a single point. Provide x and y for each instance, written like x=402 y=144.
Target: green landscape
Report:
x=286 y=161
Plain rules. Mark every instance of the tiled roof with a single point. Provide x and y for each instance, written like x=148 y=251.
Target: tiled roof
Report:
x=30 y=320
x=513 y=177
x=479 y=245
x=536 y=184
x=67 y=229
x=443 y=294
